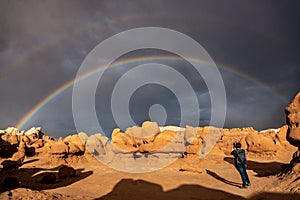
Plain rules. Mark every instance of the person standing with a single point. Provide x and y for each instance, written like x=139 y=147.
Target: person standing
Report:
x=240 y=163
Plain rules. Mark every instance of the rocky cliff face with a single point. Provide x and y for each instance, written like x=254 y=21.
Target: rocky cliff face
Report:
x=293 y=121
x=289 y=178
x=293 y=132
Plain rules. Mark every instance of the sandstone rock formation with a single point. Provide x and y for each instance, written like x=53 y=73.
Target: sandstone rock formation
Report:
x=137 y=142
x=171 y=142
x=289 y=178
x=147 y=138
x=75 y=144
x=95 y=145
x=58 y=147
x=293 y=121
x=16 y=145
x=161 y=144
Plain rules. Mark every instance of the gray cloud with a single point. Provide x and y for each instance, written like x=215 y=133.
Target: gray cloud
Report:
x=42 y=44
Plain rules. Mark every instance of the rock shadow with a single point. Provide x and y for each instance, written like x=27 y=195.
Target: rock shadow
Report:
x=31 y=177
x=140 y=189
x=216 y=176
x=261 y=169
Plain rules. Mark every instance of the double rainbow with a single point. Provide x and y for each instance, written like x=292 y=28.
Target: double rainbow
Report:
x=27 y=117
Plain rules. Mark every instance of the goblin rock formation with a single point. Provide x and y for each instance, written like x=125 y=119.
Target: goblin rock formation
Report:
x=16 y=145
x=140 y=142
x=188 y=140
x=293 y=133
x=289 y=178
x=293 y=121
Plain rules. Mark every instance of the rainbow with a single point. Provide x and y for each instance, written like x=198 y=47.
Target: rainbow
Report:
x=27 y=117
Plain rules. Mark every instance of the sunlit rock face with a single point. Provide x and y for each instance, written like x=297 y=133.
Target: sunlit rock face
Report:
x=148 y=138
x=293 y=121
x=142 y=144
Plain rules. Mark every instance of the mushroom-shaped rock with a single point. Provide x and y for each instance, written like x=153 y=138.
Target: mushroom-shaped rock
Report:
x=149 y=129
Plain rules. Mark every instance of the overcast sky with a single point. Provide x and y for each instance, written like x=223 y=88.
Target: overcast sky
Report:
x=255 y=45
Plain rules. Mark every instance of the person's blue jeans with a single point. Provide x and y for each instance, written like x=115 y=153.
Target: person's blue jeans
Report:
x=242 y=170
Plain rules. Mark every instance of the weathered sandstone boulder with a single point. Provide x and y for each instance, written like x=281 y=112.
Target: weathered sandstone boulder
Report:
x=83 y=137
x=75 y=144
x=125 y=142
x=59 y=147
x=95 y=146
x=259 y=143
x=147 y=138
x=166 y=142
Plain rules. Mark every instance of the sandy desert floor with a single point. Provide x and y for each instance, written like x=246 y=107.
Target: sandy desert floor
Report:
x=93 y=180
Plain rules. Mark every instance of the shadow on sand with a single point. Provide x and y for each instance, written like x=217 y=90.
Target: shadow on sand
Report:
x=261 y=169
x=140 y=189
x=216 y=176
x=31 y=177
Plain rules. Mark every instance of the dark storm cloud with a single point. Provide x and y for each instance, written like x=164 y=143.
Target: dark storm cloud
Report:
x=42 y=44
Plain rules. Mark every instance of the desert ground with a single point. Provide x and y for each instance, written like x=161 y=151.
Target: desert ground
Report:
x=93 y=180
